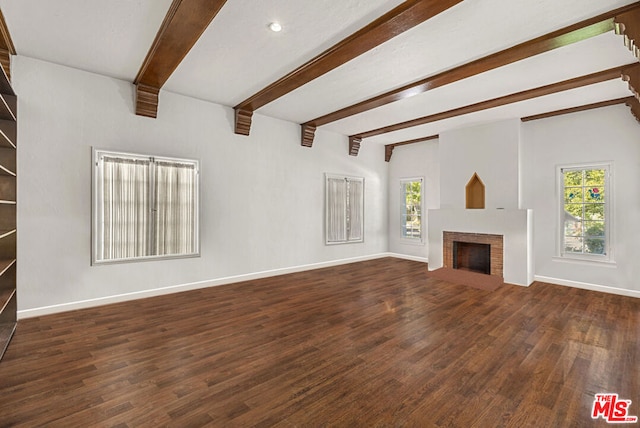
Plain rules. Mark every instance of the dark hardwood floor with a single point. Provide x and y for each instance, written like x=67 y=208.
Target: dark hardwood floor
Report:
x=368 y=344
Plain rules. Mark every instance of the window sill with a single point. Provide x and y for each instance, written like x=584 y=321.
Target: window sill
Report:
x=580 y=261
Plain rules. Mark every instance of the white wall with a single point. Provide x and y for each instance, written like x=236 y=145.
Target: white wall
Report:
x=605 y=134
x=262 y=196
x=414 y=160
x=491 y=151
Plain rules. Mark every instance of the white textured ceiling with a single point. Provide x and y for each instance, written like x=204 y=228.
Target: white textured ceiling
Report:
x=237 y=55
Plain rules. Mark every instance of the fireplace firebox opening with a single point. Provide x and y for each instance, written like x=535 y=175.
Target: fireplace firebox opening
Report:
x=471 y=256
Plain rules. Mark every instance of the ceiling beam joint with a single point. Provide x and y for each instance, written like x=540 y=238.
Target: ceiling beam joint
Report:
x=243 y=121
x=631 y=75
x=308 y=133
x=147 y=100
x=634 y=105
x=627 y=24
x=388 y=151
x=354 y=145
x=183 y=25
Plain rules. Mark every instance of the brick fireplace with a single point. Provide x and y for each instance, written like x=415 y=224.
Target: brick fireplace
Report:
x=495 y=243
x=490 y=154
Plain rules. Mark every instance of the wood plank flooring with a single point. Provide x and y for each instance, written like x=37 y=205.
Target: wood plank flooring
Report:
x=375 y=343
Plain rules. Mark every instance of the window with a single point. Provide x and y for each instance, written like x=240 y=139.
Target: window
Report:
x=344 y=216
x=411 y=209
x=585 y=220
x=144 y=207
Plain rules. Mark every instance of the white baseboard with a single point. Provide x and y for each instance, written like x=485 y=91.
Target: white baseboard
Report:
x=83 y=304
x=408 y=257
x=588 y=286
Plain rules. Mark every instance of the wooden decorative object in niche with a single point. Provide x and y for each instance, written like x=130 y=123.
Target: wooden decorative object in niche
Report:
x=475 y=193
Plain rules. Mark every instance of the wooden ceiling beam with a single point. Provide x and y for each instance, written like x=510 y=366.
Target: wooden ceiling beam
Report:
x=400 y=19
x=183 y=25
x=624 y=100
x=574 y=33
x=6 y=47
x=565 y=85
x=388 y=148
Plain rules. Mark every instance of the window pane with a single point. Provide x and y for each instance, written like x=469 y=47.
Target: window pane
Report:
x=124 y=219
x=355 y=208
x=573 y=245
x=336 y=209
x=594 y=228
x=573 y=178
x=594 y=177
x=573 y=195
x=175 y=214
x=411 y=209
x=594 y=212
x=573 y=211
x=594 y=194
x=572 y=228
x=594 y=245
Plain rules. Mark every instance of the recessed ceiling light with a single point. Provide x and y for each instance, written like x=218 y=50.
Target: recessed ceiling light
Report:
x=275 y=27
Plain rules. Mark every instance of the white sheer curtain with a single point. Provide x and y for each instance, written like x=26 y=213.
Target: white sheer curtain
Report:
x=336 y=209
x=144 y=207
x=125 y=208
x=175 y=211
x=355 y=211
x=344 y=209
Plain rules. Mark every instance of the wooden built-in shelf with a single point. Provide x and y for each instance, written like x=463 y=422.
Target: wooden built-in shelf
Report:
x=6 y=332
x=8 y=107
x=5 y=85
x=8 y=133
x=8 y=205
x=6 y=171
x=5 y=297
x=7 y=307
x=7 y=187
x=6 y=233
x=5 y=265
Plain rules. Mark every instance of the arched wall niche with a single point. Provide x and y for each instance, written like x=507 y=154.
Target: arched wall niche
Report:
x=475 y=193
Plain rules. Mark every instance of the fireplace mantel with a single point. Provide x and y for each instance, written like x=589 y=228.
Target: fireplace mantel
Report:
x=514 y=225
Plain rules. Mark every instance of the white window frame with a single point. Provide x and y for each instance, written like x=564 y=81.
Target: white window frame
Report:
x=98 y=199
x=348 y=204
x=608 y=256
x=403 y=237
